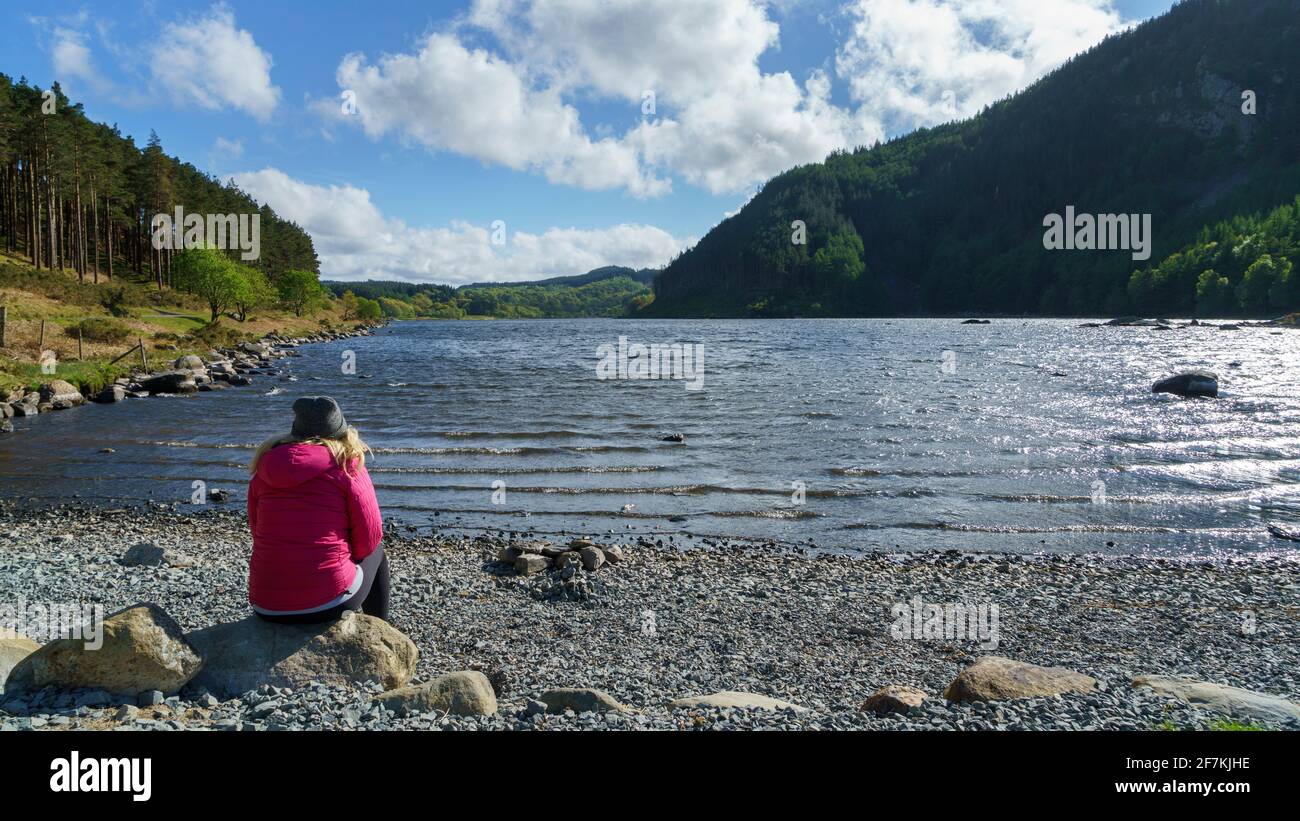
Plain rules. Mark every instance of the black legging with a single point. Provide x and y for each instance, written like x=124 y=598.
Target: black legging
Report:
x=371 y=598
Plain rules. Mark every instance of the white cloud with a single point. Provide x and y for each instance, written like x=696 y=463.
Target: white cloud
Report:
x=682 y=49
x=447 y=96
x=911 y=63
x=720 y=122
x=229 y=148
x=727 y=142
x=70 y=52
x=355 y=241
x=723 y=123
x=72 y=59
x=212 y=64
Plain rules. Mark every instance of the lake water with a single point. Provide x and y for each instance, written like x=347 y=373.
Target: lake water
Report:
x=847 y=434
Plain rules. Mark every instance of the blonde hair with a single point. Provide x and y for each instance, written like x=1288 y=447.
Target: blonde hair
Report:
x=348 y=450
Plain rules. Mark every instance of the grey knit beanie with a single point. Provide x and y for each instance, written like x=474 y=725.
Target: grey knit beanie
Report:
x=319 y=417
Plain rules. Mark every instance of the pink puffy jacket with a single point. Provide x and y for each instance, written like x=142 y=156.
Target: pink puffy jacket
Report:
x=311 y=523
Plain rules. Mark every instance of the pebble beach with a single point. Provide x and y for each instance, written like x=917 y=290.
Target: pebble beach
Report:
x=679 y=617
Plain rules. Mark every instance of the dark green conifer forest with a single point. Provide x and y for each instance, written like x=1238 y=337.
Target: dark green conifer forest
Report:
x=80 y=195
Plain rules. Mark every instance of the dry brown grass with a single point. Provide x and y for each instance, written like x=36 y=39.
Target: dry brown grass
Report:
x=165 y=321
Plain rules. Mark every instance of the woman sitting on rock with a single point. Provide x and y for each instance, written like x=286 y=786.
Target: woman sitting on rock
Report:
x=315 y=522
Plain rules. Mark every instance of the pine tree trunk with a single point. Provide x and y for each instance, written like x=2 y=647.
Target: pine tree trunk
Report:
x=94 y=232
x=108 y=233
x=37 y=204
x=4 y=208
x=82 y=259
x=56 y=247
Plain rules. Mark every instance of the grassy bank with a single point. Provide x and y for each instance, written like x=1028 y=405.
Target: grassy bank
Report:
x=121 y=313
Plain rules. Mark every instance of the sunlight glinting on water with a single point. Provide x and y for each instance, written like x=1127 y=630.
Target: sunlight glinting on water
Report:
x=1026 y=435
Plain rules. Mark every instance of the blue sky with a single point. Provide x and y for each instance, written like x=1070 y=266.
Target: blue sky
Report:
x=531 y=112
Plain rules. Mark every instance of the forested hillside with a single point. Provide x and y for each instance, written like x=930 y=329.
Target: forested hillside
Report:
x=80 y=195
x=950 y=219
x=1245 y=266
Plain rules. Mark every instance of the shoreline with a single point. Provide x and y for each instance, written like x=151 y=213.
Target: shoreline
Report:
x=811 y=630
x=222 y=367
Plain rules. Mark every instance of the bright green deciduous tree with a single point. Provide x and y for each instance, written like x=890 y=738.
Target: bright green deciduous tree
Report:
x=210 y=275
x=300 y=291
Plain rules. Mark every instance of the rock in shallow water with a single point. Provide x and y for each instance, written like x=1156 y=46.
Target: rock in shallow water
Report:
x=244 y=655
x=170 y=382
x=61 y=394
x=110 y=394
x=142 y=649
x=1191 y=384
x=1280 y=532
x=993 y=678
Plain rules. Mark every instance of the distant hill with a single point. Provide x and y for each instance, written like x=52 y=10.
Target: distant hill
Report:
x=608 y=291
x=645 y=276
x=376 y=288
x=951 y=219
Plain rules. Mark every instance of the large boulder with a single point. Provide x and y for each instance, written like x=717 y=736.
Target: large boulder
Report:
x=1233 y=701
x=243 y=655
x=110 y=394
x=732 y=698
x=467 y=693
x=894 y=698
x=142 y=649
x=993 y=678
x=61 y=394
x=1190 y=384
x=579 y=700
x=189 y=362
x=170 y=382
x=13 y=650
x=27 y=406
